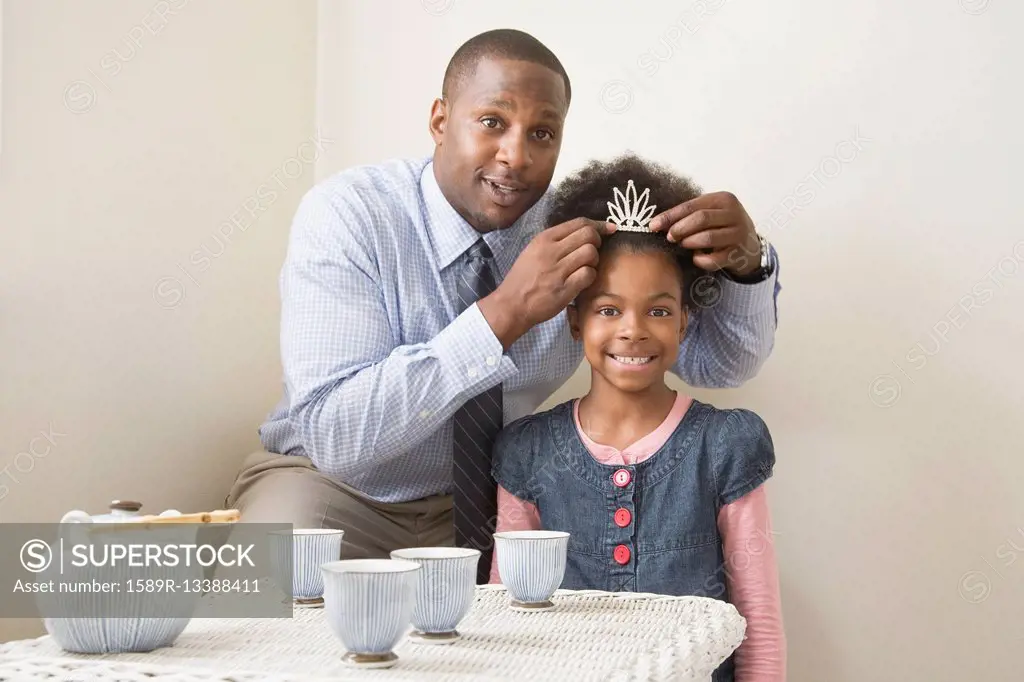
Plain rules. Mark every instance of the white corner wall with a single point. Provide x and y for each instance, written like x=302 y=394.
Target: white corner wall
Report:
x=139 y=255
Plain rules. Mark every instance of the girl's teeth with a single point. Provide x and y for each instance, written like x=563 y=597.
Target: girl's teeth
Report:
x=632 y=361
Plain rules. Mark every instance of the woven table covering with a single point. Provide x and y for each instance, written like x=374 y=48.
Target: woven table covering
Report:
x=590 y=635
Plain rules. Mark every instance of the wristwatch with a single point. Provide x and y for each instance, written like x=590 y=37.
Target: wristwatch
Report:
x=764 y=269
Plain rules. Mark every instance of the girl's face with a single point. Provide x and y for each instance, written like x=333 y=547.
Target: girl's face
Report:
x=631 y=319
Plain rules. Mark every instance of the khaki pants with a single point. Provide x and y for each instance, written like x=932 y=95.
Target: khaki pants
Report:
x=273 y=488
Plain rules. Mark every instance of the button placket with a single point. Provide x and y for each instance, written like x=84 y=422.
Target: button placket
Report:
x=621 y=554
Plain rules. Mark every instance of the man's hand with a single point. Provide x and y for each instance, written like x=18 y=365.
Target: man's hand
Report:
x=716 y=226
x=552 y=270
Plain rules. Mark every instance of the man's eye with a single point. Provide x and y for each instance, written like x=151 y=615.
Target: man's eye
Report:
x=490 y=120
x=546 y=134
x=606 y=311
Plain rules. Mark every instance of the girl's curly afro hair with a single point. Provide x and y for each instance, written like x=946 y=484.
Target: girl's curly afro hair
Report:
x=586 y=194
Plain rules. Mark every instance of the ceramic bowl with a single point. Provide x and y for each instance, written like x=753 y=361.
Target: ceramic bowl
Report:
x=369 y=605
x=532 y=565
x=445 y=591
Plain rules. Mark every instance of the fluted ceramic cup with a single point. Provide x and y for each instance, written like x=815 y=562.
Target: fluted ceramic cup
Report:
x=310 y=549
x=532 y=566
x=445 y=591
x=369 y=605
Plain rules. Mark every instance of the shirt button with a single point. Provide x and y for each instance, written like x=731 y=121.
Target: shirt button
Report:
x=471 y=372
x=622 y=477
x=622 y=517
x=621 y=554
x=490 y=361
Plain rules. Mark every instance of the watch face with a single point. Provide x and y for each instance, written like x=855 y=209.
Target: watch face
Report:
x=765 y=255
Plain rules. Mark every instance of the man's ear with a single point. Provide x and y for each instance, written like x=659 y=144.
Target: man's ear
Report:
x=573 y=316
x=438 y=120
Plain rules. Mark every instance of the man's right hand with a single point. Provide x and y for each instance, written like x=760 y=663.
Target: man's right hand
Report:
x=552 y=270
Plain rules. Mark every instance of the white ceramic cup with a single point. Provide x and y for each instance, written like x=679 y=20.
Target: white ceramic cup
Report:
x=369 y=605
x=445 y=590
x=532 y=565
x=310 y=549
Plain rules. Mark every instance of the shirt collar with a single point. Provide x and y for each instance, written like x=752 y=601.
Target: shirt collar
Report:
x=451 y=235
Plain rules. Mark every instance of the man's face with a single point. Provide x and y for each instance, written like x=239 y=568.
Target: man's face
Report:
x=497 y=140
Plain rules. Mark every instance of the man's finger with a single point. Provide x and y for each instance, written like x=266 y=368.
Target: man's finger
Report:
x=559 y=232
x=603 y=227
x=713 y=200
x=568 y=227
x=714 y=238
x=702 y=219
x=574 y=240
x=716 y=260
x=580 y=280
x=585 y=256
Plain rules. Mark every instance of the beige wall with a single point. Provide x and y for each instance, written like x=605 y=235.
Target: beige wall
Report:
x=878 y=144
x=135 y=334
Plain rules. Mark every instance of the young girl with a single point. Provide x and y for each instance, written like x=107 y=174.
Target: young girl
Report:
x=659 y=492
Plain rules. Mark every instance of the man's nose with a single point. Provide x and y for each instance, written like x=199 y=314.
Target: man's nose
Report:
x=514 y=151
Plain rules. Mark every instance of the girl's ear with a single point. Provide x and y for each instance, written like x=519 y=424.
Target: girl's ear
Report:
x=683 y=323
x=574 y=321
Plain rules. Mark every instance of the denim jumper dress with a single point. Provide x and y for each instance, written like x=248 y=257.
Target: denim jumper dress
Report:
x=649 y=527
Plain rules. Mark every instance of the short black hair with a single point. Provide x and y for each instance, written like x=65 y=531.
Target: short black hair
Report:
x=586 y=194
x=501 y=43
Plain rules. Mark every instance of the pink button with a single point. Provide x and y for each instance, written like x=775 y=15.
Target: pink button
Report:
x=621 y=554
x=622 y=477
x=622 y=517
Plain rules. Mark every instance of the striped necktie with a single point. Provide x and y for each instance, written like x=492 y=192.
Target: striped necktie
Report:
x=476 y=425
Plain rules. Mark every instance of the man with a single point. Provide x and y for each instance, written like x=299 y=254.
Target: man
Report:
x=423 y=306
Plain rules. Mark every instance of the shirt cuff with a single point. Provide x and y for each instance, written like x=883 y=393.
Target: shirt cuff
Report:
x=747 y=300
x=469 y=349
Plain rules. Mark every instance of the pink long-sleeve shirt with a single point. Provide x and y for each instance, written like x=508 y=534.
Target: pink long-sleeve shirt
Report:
x=751 y=573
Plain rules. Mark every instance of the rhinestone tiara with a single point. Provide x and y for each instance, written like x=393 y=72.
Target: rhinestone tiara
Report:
x=630 y=212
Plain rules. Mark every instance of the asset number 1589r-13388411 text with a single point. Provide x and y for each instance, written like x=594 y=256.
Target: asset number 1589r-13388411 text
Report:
x=195 y=585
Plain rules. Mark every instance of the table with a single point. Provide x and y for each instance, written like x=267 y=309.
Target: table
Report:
x=590 y=635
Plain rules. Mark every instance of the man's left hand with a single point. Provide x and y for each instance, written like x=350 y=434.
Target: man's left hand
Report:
x=717 y=228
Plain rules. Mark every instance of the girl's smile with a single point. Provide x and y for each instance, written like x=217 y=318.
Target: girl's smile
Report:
x=633 y=362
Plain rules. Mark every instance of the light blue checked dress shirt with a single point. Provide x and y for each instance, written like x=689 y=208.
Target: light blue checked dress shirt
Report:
x=376 y=362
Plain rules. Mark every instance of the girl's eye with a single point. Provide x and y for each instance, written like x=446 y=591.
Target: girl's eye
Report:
x=607 y=312
x=487 y=121
x=546 y=135
x=661 y=312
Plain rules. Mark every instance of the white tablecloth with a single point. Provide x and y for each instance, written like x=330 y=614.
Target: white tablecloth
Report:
x=589 y=636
